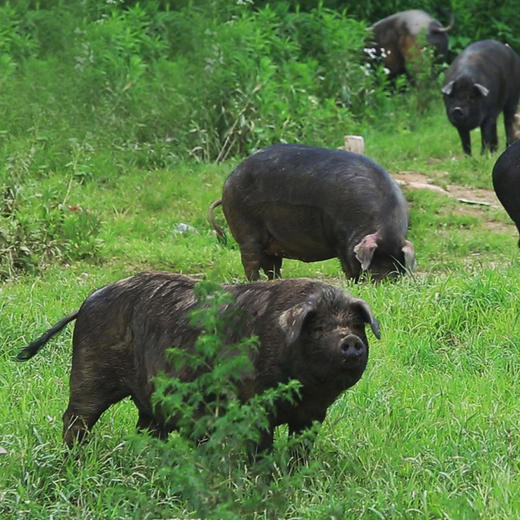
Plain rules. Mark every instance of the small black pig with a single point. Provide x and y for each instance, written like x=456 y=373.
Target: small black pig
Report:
x=482 y=81
x=308 y=330
x=310 y=204
x=506 y=182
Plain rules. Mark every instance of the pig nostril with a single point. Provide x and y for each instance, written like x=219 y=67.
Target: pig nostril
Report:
x=457 y=111
x=352 y=346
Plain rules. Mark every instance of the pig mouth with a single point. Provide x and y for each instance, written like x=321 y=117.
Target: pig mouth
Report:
x=464 y=119
x=354 y=365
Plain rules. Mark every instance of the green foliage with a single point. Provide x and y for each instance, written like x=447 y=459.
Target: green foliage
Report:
x=207 y=460
x=14 y=41
x=209 y=81
x=38 y=228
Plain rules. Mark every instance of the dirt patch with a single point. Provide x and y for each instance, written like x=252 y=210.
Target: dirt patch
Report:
x=416 y=180
x=473 y=201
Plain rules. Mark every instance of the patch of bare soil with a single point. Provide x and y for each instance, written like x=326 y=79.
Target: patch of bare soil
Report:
x=473 y=201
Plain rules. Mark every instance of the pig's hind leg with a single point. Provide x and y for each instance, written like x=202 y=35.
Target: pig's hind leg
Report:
x=509 y=118
x=272 y=266
x=147 y=422
x=488 y=130
x=91 y=393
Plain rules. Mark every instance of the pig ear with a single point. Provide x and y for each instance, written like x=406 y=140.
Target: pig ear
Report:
x=291 y=320
x=368 y=317
x=409 y=256
x=364 y=251
x=481 y=89
x=448 y=88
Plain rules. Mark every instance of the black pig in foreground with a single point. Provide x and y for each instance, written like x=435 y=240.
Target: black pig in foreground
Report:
x=506 y=181
x=308 y=330
x=396 y=37
x=310 y=204
x=482 y=81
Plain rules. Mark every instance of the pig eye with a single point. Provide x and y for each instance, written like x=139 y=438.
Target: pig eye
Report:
x=315 y=326
x=318 y=329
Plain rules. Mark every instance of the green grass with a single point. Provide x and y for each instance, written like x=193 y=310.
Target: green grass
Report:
x=431 y=430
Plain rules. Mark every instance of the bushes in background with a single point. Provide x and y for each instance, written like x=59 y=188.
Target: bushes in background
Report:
x=91 y=89
x=210 y=80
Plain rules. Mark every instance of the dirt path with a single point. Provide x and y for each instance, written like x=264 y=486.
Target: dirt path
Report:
x=475 y=201
x=415 y=180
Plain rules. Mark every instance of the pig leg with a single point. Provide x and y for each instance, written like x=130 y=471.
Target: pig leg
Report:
x=264 y=445
x=302 y=444
x=271 y=266
x=509 y=117
x=488 y=129
x=251 y=261
x=348 y=270
x=253 y=257
x=91 y=394
x=465 y=139
x=148 y=422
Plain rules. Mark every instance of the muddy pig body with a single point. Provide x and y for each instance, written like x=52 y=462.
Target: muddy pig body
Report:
x=307 y=330
x=482 y=81
x=506 y=182
x=396 y=37
x=310 y=204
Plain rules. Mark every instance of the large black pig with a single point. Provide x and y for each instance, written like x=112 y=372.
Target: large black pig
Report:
x=308 y=330
x=308 y=203
x=396 y=37
x=506 y=181
x=482 y=81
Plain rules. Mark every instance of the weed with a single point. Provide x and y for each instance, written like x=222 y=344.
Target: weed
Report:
x=209 y=460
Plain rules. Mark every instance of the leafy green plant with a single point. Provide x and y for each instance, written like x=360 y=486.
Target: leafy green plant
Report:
x=424 y=69
x=14 y=41
x=209 y=460
x=33 y=235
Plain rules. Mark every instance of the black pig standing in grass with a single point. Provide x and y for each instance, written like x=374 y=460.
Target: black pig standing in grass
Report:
x=308 y=330
x=506 y=181
x=482 y=81
x=310 y=204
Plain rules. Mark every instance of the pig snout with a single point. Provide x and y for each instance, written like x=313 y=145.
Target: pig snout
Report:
x=457 y=113
x=352 y=349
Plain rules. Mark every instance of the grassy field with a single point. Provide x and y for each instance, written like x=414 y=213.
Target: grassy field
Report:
x=432 y=429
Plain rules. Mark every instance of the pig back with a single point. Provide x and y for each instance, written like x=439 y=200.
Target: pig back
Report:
x=125 y=328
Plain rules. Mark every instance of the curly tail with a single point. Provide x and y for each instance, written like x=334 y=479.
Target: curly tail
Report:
x=221 y=235
x=30 y=350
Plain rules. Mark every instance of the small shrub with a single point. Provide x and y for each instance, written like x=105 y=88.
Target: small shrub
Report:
x=207 y=461
x=33 y=235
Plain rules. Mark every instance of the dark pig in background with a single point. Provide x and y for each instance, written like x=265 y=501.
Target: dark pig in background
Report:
x=482 y=81
x=307 y=330
x=310 y=204
x=396 y=38
x=506 y=182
